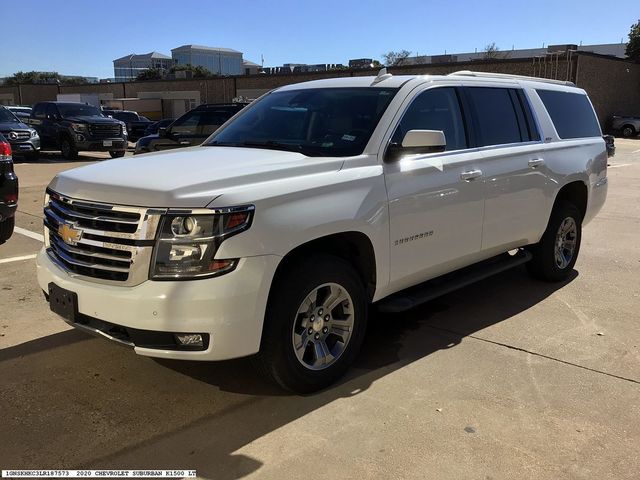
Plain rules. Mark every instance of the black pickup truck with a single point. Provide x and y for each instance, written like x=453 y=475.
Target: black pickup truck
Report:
x=73 y=127
x=136 y=124
x=8 y=191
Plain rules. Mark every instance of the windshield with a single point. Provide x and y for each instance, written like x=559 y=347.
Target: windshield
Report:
x=335 y=122
x=7 y=116
x=78 y=110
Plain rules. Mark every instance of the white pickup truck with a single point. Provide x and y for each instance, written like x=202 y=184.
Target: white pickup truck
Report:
x=319 y=200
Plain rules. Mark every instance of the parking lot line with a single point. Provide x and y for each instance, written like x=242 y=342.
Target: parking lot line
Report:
x=18 y=259
x=29 y=233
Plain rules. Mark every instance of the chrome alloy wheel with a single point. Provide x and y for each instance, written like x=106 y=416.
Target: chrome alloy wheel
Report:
x=323 y=326
x=565 y=246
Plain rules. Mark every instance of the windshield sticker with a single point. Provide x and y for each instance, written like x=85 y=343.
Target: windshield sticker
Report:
x=349 y=138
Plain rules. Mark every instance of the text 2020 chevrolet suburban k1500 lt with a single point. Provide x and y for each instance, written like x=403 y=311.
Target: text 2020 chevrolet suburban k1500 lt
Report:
x=74 y=127
x=275 y=236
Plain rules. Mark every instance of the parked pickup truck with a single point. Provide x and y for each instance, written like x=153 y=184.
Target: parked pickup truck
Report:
x=73 y=127
x=320 y=200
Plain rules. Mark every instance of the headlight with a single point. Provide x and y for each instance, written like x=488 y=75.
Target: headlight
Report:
x=79 y=127
x=187 y=243
x=34 y=134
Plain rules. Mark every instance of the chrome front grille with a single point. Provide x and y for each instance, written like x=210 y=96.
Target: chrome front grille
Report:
x=100 y=242
x=14 y=136
x=107 y=130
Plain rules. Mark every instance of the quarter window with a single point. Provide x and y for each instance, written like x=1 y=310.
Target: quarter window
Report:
x=571 y=113
x=496 y=120
x=435 y=109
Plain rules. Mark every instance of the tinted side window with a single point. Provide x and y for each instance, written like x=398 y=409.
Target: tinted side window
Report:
x=39 y=111
x=496 y=121
x=52 y=111
x=435 y=109
x=125 y=116
x=571 y=114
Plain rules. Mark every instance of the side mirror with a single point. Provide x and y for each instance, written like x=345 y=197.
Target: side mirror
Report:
x=417 y=142
x=162 y=132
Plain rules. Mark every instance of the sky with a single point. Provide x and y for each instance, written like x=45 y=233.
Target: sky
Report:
x=83 y=37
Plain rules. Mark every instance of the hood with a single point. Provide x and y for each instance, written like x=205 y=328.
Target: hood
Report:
x=91 y=119
x=188 y=177
x=7 y=126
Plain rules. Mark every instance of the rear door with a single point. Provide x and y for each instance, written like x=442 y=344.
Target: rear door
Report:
x=435 y=200
x=513 y=167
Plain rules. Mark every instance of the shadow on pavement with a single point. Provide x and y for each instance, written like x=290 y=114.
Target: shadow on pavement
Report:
x=108 y=408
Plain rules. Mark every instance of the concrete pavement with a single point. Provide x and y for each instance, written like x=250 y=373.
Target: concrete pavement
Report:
x=508 y=378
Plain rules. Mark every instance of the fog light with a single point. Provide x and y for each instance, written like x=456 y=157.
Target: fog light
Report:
x=190 y=339
x=80 y=138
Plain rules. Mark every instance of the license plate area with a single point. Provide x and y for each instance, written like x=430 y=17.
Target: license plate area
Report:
x=63 y=302
x=107 y=143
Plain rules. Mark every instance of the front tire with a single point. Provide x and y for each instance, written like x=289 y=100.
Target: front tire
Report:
x=6 y=229
x=68 y=149
x=116 y=153
x=555 y=255
x=315 y=324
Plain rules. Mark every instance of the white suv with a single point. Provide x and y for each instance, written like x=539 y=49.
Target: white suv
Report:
x=318 y=200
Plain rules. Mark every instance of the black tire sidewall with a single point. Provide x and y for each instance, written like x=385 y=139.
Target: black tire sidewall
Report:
x=288 y=295
x=543 y=264
x=6 y=229
x=72 y=152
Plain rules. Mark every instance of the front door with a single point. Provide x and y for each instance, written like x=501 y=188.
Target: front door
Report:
x=436 y=200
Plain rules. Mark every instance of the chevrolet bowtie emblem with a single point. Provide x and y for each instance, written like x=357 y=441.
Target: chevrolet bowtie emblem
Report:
x=69 y=235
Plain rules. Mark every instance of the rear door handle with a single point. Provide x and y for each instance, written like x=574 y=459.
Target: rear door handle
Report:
x=536 y=162
x=470 y=175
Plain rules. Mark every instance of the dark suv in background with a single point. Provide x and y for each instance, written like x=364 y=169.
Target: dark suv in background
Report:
x=73 y=127
x=136 y=124
x=191 y=129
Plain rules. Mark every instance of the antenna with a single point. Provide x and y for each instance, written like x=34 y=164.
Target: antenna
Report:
x=382 y=76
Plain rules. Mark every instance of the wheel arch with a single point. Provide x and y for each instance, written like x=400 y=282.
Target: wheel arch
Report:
x=354 y=247
x=575 y=192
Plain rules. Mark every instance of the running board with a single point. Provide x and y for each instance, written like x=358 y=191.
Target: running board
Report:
x=424 y=292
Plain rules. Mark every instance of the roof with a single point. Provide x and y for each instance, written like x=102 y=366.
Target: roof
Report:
x=203 y=47
x=248 y=63
x=142 y=56
x=397 y=81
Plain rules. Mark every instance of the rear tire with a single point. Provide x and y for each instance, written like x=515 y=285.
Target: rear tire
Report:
x=556 y=253
x=328 y=340
x=68 y=149
x=116 y=153
x=6 y=229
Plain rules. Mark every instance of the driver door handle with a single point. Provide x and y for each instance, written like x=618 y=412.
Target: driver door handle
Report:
x=470 y=175
x=536 y=162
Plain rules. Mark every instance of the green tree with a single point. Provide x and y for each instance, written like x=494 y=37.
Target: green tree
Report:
x=32 y=77
x=196 y=72
x=633 y=47
x=149 y=74
x=394 y=59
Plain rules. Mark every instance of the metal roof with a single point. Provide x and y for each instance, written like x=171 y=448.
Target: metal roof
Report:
x=202 y=47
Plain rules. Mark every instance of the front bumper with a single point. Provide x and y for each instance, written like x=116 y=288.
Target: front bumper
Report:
x=25 y=147
x=229 y=308
x=94 y=145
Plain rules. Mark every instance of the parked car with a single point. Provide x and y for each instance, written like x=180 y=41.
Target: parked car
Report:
x=24 y=140
x=153 y=128
x=8 y=191
x=136 y=124
x=627 y=126
x=22 y=113
x=190 y=129
x=74 y=127
x=276 y=236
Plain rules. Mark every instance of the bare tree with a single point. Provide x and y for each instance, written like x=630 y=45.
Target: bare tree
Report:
x=492 y=52
x=393 y=59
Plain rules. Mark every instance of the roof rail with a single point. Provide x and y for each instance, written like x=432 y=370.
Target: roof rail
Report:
x=507 y=76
